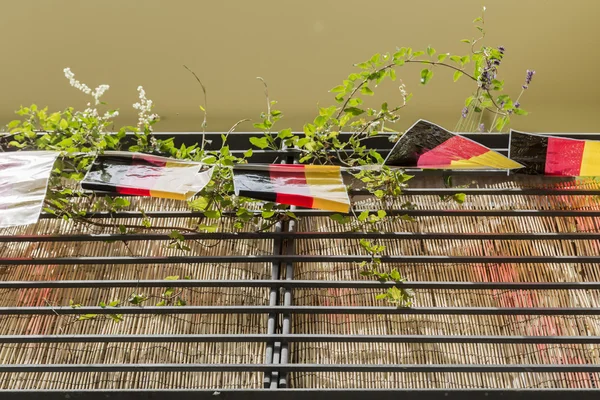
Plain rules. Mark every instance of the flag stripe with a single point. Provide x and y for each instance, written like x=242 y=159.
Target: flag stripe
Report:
x=564 y=156
x=590 y=162
x=488 y=159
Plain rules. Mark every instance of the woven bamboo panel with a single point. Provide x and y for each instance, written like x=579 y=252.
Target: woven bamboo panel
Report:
x=443 y=353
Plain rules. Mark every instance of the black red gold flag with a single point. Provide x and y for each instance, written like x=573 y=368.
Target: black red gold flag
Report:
x=308 y=186
x=140 y=174
x=556 y=156
x=429 y=146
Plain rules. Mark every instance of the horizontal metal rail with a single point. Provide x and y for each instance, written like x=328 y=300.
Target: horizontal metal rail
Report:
x=320 y=213
x=493 y=191
x=295 y=284
x=358 y=310
x=467 y=368
x=304 y=394
x=108 y=237
x=298 y=338
x=397 y=259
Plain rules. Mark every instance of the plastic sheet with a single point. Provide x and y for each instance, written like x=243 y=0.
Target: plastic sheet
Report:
x=146 y=175
x=308 y=186
x=429 y=146
x=556 y=156
x=24 y=179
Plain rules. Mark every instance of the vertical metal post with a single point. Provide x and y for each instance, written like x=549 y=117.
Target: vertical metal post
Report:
x=287 y=301
x=273 y=301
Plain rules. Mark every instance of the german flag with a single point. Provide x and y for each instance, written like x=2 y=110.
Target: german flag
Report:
x=308 y=186
x=429 y=146
x=557 y=156
x=140 y=174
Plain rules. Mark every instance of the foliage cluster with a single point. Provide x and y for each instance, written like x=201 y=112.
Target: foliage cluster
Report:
x=81 y=135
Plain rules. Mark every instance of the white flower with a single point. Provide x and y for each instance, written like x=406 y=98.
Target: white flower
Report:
x=99 y=92
x=144 y=106
x=75 y=83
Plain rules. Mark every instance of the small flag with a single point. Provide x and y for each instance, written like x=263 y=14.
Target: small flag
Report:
x=428 y=146
x=24 y=179
x=308 y=186
x=557 y=156
x=140 y=174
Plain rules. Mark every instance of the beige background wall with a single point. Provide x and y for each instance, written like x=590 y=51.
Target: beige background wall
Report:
x=302 y=48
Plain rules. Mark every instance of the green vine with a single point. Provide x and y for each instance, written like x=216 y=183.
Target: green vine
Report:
x=339 y=134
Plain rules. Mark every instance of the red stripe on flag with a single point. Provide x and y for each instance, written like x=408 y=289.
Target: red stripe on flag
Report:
x=454 y=149
x=289 y=182
x=563 y=156
x=133 y=191
x=298 y=200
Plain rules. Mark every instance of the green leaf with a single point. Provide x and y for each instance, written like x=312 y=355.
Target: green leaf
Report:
x=86 y=317
x=285 y=133
x=465 y=41
x=198 y=204
x=460 y=198
x=392 y=74
x=213 y=214
x=248 y=153
x=354 y=111
x=469 y=100
x=442 y=57
x=338 y=89
x=426 y=75
x=261 y=143
x=267 y=214
x=430 y=51
x=63 y=124
x=457 y=75
x=363 y=216
x=172 y=278
x=339 y=218
x=366 y=91
x=519 y=111
x=381 y=296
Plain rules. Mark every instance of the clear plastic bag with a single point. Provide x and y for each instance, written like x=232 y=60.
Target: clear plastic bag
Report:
x=24 y=179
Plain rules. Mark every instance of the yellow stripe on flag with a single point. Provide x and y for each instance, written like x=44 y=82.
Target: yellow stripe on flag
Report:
x=327 y=188
x=488 y=159
x=168 y=195
x=590 y=162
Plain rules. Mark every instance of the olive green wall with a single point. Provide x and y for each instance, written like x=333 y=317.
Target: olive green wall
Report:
x=302 y=48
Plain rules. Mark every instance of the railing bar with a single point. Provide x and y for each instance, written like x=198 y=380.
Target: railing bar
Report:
x=298 y=338
x=321 y=213
x=466 y=368
x=315 y=284
x=399 y=259
x=158 y=310
x=300 y=236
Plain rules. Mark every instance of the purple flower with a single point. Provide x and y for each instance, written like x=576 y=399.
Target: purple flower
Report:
x=501 y=49
x=465 y=111
x=524 y=86
x=517 y=104
x=529 y=76
x=481 y=127
x=496 y=62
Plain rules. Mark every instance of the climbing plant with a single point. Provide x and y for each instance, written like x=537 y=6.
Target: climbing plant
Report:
x=339 y=134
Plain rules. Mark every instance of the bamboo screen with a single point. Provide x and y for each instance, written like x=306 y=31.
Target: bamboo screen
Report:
x=507 y=291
